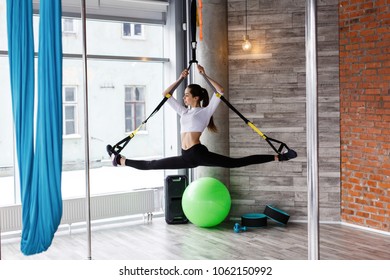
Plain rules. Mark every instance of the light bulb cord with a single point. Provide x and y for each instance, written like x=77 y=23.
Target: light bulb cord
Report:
x=246 y=17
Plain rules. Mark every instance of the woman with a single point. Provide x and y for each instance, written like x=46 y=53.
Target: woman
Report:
x=196 y=115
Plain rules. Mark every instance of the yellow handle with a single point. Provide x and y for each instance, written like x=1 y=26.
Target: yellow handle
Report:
x=132 y=134
x=257 y=130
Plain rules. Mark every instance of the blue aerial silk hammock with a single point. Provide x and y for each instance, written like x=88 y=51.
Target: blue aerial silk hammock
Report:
x=39 y=169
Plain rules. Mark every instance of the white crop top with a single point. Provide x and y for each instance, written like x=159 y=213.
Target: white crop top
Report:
x=194 y=119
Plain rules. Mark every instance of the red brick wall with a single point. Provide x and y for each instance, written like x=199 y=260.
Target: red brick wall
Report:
x=365 y=112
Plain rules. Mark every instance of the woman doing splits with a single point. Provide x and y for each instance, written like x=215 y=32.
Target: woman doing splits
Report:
x=196 y=115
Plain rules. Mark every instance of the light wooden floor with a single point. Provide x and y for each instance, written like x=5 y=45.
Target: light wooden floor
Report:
x=160 y=241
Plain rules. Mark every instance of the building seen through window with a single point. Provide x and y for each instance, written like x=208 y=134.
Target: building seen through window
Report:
x=118 y=101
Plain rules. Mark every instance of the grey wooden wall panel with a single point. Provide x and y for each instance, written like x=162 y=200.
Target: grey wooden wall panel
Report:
x=267 y=86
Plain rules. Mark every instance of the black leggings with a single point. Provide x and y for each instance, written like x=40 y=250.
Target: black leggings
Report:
x=198 y=155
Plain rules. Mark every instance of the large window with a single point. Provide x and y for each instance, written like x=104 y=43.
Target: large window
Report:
x=118 y=101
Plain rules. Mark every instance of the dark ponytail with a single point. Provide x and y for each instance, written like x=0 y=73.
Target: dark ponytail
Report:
x=204 y=99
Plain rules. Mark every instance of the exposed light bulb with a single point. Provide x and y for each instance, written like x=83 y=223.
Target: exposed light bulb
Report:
x=246 y=45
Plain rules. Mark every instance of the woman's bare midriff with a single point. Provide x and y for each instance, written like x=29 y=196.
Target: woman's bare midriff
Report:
x=189 y=139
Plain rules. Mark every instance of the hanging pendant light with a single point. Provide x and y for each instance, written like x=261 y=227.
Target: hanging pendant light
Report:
x=246 y=45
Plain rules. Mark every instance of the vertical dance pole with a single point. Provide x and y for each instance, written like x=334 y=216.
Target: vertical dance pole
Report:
x=191 y=171
x=86 y=127
x=312 y=133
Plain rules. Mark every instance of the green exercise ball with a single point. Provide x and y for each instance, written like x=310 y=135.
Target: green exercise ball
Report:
x=206 y=202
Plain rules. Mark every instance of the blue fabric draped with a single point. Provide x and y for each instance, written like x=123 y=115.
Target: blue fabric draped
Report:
x=39 y=170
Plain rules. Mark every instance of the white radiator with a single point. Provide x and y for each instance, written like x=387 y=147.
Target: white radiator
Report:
x=102 y=207
x=11 y=218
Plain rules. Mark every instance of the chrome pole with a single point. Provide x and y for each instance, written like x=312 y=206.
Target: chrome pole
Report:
x=191 y=78
x=312 y=133
x=86 y=128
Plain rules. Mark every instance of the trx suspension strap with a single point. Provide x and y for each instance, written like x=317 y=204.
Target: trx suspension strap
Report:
x=193 y=32
x=269 y=140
